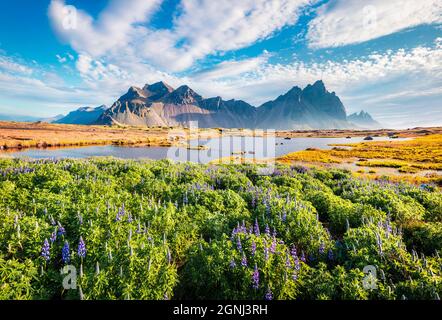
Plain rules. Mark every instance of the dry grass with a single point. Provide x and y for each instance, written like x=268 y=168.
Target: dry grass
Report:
x=311 y=155
x=14 y=135
x=415 y=132
x=409 y=158
x=424 y=151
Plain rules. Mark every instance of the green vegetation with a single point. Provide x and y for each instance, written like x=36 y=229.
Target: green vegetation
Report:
x=159 y=230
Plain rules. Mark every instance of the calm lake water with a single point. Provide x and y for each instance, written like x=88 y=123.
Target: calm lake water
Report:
x=248 y=147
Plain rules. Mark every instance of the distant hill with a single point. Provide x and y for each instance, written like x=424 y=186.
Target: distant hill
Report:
x=84 y=115
x=17 y=118
x=161 y=105
x=52 y=119
x=364 y=120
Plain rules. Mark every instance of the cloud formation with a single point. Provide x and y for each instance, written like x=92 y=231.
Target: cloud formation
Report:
x=202 y=27
x=343 y=22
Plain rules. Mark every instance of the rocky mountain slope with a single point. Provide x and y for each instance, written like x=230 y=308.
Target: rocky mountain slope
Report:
x=311 y=108
x=84 y=115
x=160 y=105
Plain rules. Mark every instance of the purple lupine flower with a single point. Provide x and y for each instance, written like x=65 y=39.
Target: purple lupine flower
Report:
x=322 y=247
x=303 y=258
x=53 y=237
x=61 y=230
x=267 y=230
x=284 y=216
x=232 y=264
x=297 y=265
x=295 y=275
x=266 y=252
x=81 y=248
x=388 y=228
x=45 y=253
x=65 y=253
x=268 y=295
x=273 y=245
x=255 y=278
x=288 y=263
x=294 y=252
x=243 y=227
x=121 y=212
x=244 y=260
x=257 y=233
x=253 y=248
x=379 y=243
x=330 y=255
x=238 y=244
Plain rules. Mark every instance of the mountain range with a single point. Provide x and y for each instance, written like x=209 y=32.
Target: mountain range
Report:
x=364 y=120
x=85 y=115
x=159 y=104
x=23 y=118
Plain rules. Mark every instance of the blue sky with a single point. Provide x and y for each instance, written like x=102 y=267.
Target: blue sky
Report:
x=381 y=56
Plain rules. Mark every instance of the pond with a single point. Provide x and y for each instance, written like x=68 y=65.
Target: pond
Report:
x=209 y=149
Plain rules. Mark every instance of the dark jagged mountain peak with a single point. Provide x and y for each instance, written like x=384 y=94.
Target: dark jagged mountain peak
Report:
x=318 y=88
x=157 y=90
x=133 y=93
x=310 y=108
x=324 y=101
x=183 y=95
x=319 y=84
x=292 y=93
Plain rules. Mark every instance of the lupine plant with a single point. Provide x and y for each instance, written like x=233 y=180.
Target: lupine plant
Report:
x=163 y=230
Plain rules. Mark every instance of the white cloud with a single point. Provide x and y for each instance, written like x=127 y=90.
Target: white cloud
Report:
x=202 y=27
x=32 y=89
x=112 y=29
x=342 y=22
x=8 y=64
x=209 y=26
x=232 y=68
x=60 y=58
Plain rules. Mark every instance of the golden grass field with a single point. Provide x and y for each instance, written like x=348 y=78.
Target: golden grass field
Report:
x=418 y=160
x=15 y=135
